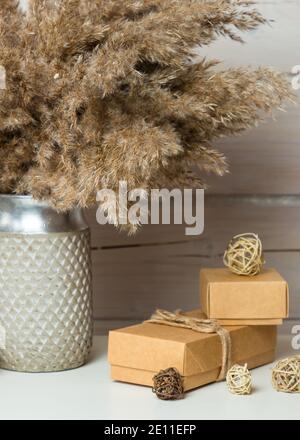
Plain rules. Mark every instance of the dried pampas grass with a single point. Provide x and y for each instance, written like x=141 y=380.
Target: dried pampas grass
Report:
x=99 y=91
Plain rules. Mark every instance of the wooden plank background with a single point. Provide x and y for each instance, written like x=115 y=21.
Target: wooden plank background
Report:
x=159 y=267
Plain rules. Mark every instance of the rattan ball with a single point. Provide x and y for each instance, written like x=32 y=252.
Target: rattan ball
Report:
x=239 y=380
x=168 y=385
x=286 y=375
x=244 y=255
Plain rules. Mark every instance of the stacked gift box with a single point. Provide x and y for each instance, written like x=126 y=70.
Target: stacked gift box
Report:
x=234 y=300
x=249 y=308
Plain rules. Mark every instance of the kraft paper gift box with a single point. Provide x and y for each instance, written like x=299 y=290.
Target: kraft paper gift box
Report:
x=139 y=352
x=242 y=300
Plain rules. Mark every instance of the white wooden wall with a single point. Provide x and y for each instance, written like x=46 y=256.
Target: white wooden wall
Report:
x=159 y=267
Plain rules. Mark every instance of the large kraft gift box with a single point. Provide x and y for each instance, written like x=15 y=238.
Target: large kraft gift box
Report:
x=138 y=352
x=242 y=300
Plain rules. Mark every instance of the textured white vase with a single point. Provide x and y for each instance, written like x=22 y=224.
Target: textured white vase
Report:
x=45 y=287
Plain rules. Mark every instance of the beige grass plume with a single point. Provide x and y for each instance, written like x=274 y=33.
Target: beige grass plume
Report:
x=100 y=91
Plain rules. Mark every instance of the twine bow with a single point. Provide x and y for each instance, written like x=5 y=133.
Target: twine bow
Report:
x=178 y=319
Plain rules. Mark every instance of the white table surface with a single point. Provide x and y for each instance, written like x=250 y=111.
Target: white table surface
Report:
x=88 y=394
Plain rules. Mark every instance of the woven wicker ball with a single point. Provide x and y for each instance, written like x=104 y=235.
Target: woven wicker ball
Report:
x=244 y=255
x=168 y=385
x=286 y=375
x=239 y=380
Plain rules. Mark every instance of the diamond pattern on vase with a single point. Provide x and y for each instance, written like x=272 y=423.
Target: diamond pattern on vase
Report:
x=45 y=301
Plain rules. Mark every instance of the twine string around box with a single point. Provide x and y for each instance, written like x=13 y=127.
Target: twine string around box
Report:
x=178 y=319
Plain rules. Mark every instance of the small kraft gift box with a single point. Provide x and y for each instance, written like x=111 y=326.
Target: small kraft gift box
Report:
x=244 y=300
x=139 y=352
